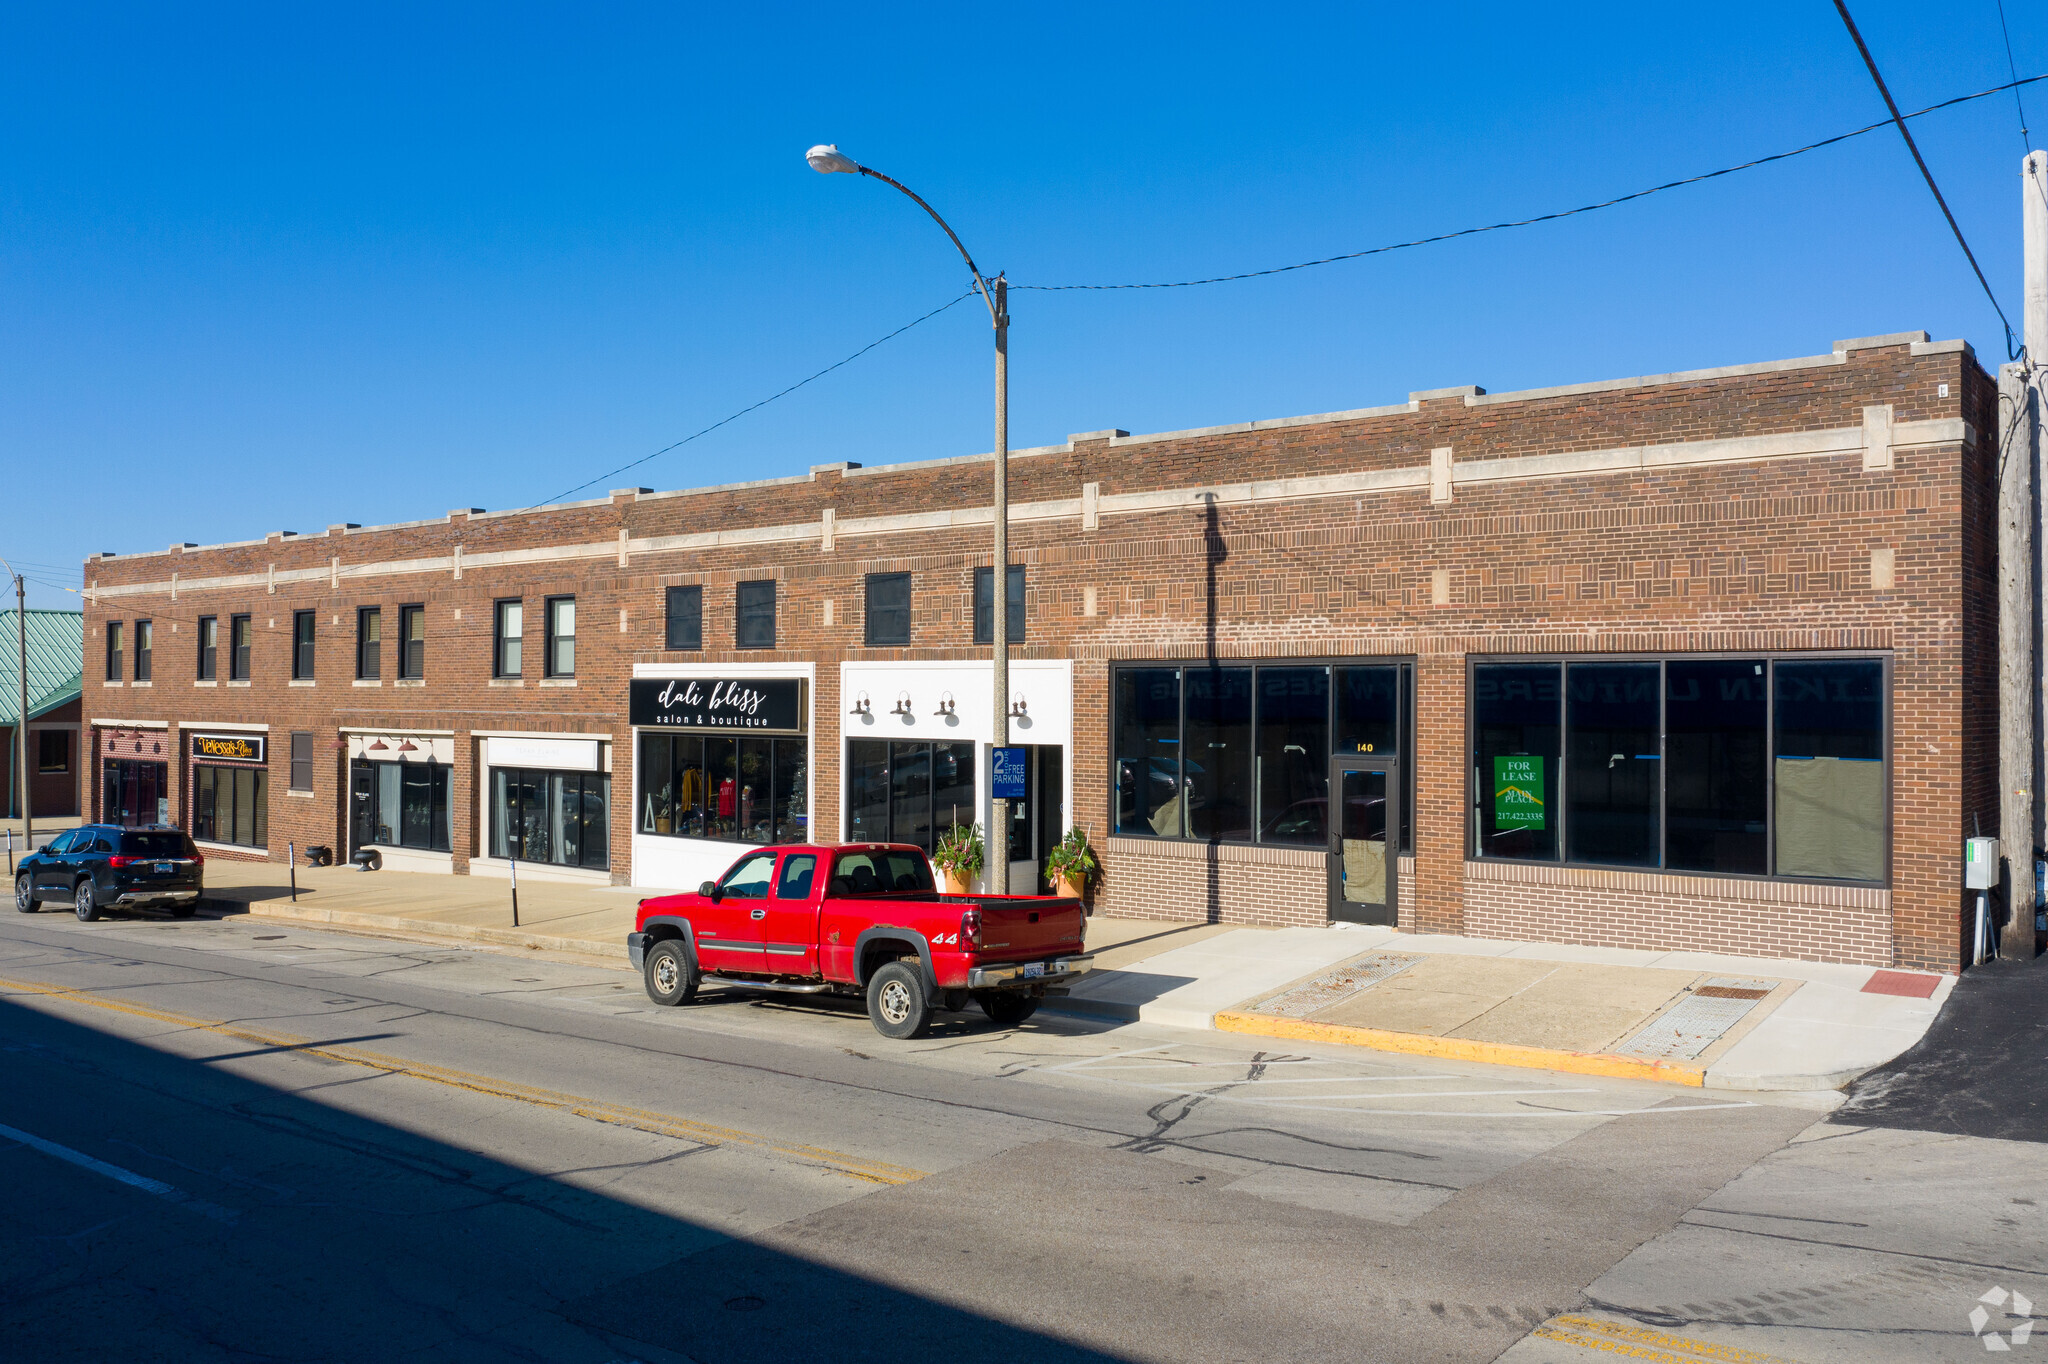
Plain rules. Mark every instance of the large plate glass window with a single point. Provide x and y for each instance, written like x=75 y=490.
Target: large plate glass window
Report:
x=1752 y=766
x=554 y=817
x=745 y=790
x=1242 y=753
x=228 y=805
x=402 y=805
x=907 y=792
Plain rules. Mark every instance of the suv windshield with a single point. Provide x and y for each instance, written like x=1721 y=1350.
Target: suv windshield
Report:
x=167 y=844
x=882 y=872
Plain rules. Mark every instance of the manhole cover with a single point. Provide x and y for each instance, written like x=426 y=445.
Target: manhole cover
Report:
x=1697 y=1021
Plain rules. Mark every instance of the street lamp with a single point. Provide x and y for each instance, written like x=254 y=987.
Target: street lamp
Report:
x=827 y=159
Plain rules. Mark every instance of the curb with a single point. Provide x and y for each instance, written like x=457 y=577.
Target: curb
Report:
x=428 y=928
x=1460 y=1049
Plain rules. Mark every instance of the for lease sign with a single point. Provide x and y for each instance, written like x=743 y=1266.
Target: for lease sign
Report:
x=1518 y=793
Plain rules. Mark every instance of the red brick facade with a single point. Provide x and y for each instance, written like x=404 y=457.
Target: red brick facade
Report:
x=1837 y=503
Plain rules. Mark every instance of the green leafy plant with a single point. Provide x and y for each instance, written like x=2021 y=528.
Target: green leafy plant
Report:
x=960 y=852
x=1073 y=859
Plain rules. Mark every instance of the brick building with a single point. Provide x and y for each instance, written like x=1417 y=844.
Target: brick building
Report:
x=1698 y=660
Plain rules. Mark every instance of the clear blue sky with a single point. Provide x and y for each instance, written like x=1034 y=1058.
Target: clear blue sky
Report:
x=271 y=267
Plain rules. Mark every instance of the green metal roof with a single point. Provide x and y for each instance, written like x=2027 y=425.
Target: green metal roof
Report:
x=56 y=653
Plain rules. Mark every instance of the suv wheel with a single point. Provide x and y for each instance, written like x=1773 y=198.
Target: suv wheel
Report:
x=87 y=901
x=24 y=894
x=897 y=1003
x=671 y=979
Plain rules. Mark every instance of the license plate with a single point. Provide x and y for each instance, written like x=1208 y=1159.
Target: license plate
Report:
x=163 y=869
x=1032 y=969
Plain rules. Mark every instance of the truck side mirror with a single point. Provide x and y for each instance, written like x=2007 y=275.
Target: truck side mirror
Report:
x=709 y=890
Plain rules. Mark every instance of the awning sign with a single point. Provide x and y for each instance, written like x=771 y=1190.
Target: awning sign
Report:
x=748 y=705
x=1518 y=793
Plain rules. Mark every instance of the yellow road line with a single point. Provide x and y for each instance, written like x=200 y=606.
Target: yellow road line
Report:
x=617 y=1115
x=1462 y=1049
x=1637 y=1342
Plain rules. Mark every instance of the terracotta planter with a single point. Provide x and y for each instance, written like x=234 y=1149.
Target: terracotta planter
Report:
x=952 y=883
x=1069 y=888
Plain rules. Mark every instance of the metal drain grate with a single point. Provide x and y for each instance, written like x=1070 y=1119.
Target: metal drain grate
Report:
x=1333 y=987
x=1696 y=1022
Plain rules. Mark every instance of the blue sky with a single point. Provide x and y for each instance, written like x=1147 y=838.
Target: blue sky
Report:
x=273 y=267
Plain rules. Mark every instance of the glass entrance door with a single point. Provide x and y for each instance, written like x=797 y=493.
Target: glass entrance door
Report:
x=1362 y=860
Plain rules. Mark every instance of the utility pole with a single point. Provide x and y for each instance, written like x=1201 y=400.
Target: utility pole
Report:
x=21 y=700
x=2022 y=405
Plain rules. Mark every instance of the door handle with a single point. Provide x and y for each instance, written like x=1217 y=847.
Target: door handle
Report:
x=757 y=914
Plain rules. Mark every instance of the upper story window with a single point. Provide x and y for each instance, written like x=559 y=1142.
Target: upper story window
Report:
x=145 y=646
x=984 y=615
x=209 y=641
x=302 y=760
x=561 y=623
x=369 y=643
x=53 y=750
x=507 y=635
x=754 y=615
x=888 y=608
x=239 y=641
x=304 y=626
x=412 y=641
x=113 y=651
x=685 y=623
x=1731 y=766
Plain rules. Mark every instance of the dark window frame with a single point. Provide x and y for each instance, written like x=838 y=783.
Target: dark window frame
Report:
x=369 y=665
x=975 y=601
x=1770 y=659
x=301 y=761
x=43 y=746
x=412 y=667
x=206 y=643
x=305 y=638
x=551 y=649
x=682 y=627
x=1403 y=757
x=872 y=614
x=143 y=643
x=115 y=632
x=745 y=612
x=652 y=804
x=441 y=816
x=241 y=647
x=499 y=639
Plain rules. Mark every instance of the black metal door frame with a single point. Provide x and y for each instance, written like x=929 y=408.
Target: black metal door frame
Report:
x=1338 y=907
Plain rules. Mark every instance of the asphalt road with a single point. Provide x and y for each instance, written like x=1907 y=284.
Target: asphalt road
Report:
x=230 y=1140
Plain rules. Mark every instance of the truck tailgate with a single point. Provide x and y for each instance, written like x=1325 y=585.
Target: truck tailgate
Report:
x=1023 y=927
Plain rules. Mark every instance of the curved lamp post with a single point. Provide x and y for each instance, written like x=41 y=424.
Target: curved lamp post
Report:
x=829 y=160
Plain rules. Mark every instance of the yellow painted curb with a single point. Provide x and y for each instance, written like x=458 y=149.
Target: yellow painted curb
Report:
x=1462 y=1049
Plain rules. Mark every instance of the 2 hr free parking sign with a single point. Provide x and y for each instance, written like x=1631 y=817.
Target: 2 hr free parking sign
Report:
x=1006 y=773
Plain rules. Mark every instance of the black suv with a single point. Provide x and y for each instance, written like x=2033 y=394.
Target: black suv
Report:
x=100 y=866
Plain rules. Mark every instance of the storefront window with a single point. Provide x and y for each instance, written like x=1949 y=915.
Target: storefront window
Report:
x=1148 y=789
x=1216 y=753
x=228 y=806
x=555 y=817
x=1293 y=758
x=402 y=805
x=136 y=793
x=1815 y=809
x=711 y=786
x=907 y=792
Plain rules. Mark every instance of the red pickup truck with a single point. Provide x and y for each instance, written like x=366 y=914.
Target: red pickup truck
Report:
x=860 y=919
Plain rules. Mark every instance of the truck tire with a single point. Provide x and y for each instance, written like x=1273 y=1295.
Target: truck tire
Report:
x=1006 y=1008
x=897 y=1003
x=670 y=974
x=87 y=900
x=24 y=894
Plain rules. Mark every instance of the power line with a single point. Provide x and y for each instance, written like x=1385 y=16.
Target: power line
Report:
x=601 y=478
x=2026 y=143
x=1926 y=174
x=1544 y=217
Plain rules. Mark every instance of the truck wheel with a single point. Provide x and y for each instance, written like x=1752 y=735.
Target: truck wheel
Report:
x=1007 y=1009
x=24 y=894
x=897 y=1003
x=87 y=901
x=671 y=979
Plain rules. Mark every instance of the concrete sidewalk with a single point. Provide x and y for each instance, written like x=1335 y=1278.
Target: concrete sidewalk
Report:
x=1690 y=1018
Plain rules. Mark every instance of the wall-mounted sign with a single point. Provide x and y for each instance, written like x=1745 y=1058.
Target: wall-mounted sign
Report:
x=559 y=755
x=1518 y=793
x=746 y=705
x=231 y=748
x=1006 y=773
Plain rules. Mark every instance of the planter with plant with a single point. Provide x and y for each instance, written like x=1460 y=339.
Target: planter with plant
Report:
x=959 y=857
x=1071 y=863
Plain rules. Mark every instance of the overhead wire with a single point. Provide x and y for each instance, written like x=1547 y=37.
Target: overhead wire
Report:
x=1842 y=8
x=2013 y=67
x=1541 y=217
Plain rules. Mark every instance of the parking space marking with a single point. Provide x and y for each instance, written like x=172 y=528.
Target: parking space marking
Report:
x=1637 y=1342
x=170 y=1193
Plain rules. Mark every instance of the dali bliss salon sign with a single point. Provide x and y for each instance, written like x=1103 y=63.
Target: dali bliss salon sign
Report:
x=742 y=705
